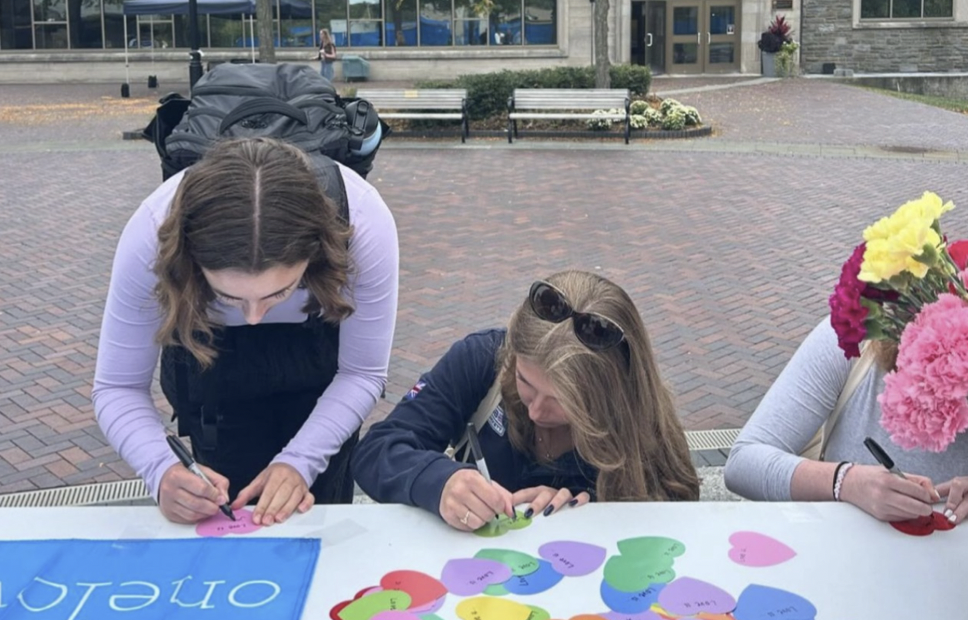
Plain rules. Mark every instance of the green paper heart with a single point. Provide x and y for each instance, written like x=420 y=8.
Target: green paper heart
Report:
x=497 y=589
x=630 y=574
x=651 y=546
x=370 y=605
x=520 y=563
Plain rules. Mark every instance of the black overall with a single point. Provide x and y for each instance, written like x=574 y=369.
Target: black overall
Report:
x=265 y=382
x=241 y=412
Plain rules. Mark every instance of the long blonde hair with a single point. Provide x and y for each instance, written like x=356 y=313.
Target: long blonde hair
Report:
x=248 y=205
x=622 y=417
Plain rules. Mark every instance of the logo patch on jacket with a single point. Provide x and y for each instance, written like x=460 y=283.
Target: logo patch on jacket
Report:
x=497 y=421
x=414 y=390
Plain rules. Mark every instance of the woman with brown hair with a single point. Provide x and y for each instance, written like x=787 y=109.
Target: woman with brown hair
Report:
x=273 y=307
x=583 y=414
x=327 y=55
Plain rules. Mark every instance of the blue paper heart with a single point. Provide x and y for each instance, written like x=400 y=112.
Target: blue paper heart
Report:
x=766 y=603
x=540 y=580
x=630 y=602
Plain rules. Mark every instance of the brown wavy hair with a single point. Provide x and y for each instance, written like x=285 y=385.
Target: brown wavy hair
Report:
x=248 y=205
x=622 y=417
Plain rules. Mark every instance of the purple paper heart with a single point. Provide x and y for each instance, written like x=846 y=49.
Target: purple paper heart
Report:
x=687 y=597
x=573 y=559
x=469 y=576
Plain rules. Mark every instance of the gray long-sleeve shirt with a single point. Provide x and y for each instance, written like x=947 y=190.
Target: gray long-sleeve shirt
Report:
x=761 y=463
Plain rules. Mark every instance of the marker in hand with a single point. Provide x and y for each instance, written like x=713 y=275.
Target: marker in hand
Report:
x=186 y=458
x=882 y=457
x=478 y=453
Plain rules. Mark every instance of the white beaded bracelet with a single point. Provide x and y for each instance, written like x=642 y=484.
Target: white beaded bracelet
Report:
x=839 y=478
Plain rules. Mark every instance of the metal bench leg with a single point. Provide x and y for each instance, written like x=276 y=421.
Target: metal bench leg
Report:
x=510 y=127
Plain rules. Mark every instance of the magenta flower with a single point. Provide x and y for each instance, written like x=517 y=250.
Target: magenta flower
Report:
x=924 y=404
x=847 y=314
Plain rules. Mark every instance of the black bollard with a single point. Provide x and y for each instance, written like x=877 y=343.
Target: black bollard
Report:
x=125 y=90
x=152 y=81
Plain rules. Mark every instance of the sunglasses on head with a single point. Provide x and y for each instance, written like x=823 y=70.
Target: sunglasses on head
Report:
x=595 y=331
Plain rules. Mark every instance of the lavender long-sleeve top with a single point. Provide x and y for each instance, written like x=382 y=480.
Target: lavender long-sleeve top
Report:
x=128 y=353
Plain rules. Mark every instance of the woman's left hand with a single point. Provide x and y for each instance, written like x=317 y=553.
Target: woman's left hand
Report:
x=281 y=491
x=956 y=491
x=547 y=500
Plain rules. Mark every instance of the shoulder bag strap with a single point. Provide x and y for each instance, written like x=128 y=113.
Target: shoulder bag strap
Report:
x=484 y=410
x=858 y=371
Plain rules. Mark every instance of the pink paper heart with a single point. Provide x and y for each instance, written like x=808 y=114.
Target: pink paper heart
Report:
x=220 y=525
x=469 y=576
x=571 y=558
x=755 y=549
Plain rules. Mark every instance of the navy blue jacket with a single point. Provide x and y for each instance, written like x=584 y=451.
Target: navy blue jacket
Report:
x=401 y=460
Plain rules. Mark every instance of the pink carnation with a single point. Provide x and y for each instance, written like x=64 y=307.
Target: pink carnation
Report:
x=924 y=402
x=847 y=314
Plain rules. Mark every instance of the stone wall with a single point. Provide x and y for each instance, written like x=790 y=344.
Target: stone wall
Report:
x=829 y=34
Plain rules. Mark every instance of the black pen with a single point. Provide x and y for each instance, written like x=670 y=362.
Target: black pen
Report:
x=882 y=457
x=183 y=455
x=478 y=454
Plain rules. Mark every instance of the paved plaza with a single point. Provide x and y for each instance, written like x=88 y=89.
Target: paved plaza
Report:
x=729 y=244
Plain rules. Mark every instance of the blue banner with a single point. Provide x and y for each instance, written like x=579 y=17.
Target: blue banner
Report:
x=236 y=578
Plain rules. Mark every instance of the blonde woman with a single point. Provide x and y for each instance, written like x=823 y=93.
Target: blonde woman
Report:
x=583 y=415
x=327 y=55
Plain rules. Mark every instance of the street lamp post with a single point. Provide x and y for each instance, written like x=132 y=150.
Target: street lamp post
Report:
x=195 y=64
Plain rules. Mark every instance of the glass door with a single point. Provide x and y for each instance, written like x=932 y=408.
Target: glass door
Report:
x=655 y=36
x=686 y=37
x=637 y=34
x=722 y=36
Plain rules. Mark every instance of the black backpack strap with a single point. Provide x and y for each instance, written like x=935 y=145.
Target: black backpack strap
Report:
x=331 y=180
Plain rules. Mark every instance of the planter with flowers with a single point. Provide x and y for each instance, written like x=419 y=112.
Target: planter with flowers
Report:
x=772 y=42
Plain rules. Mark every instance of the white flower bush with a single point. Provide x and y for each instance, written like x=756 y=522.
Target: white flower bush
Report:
x=669 y=104
x=638 y=107
x=638 y=121
x=675 y=119
x=654 y=117
x=599 y=124
x=692 y=116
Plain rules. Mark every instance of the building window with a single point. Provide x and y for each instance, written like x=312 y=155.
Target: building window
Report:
x=97 y=24
x=906 y=9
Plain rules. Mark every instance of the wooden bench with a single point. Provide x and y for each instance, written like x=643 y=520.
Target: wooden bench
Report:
x=442 y=104
x=567 y=103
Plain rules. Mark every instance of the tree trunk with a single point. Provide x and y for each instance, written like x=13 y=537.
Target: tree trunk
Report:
x=602 y=64
x=263 y=14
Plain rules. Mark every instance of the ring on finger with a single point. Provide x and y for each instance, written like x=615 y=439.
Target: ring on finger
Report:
x=466 y=517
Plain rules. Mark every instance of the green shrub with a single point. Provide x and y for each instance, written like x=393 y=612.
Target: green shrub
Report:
x=668 y=104
x=636 y=78
x=674 y=119
x=692 y=115
x=653 y=116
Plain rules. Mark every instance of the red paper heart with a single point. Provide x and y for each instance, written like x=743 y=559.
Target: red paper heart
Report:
x=334 y=612
x=941 y=522
x=923 y=526
x=422 y=588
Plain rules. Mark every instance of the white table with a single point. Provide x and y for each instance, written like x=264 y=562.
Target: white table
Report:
x=848 y=565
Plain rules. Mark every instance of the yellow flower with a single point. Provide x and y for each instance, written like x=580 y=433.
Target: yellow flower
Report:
x=895 y=243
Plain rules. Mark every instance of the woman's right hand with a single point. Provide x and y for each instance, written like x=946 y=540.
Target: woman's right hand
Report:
x=886 y=496
x=186 y=498
x=468 y=501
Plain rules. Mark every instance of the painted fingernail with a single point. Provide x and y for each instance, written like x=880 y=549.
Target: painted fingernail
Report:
x=573 y=502
x=949 y=513
x=952 y=518
x=549 y=510
x=528 y=513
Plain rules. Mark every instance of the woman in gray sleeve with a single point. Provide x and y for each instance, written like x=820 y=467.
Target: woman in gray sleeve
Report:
x=764 y=462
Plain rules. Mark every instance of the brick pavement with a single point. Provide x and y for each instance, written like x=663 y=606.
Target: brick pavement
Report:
x=730 y=255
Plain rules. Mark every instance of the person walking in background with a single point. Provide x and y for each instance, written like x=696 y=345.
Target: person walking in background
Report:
x=327 y=55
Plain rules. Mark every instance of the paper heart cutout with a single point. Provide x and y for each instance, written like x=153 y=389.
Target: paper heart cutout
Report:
x=470 y=576
x=643 y=615
x=687 y=596
x=571 y=558
x=428 y=609
x=395 y=615
x=502 y=525
x=365 y=607
x=519 y=563
x=365 y=591
x=758 y=602
x=487 y=608
x=537 y=613
x=755 y=549
x=923 y=526
x=651 y=546
x=338 y=607
x=631 y=574
x=545 y=578
x=630 y=603
x=422 y=588
x=220 y=525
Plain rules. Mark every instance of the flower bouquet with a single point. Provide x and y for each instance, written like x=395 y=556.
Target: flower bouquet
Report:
x=906 y=285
